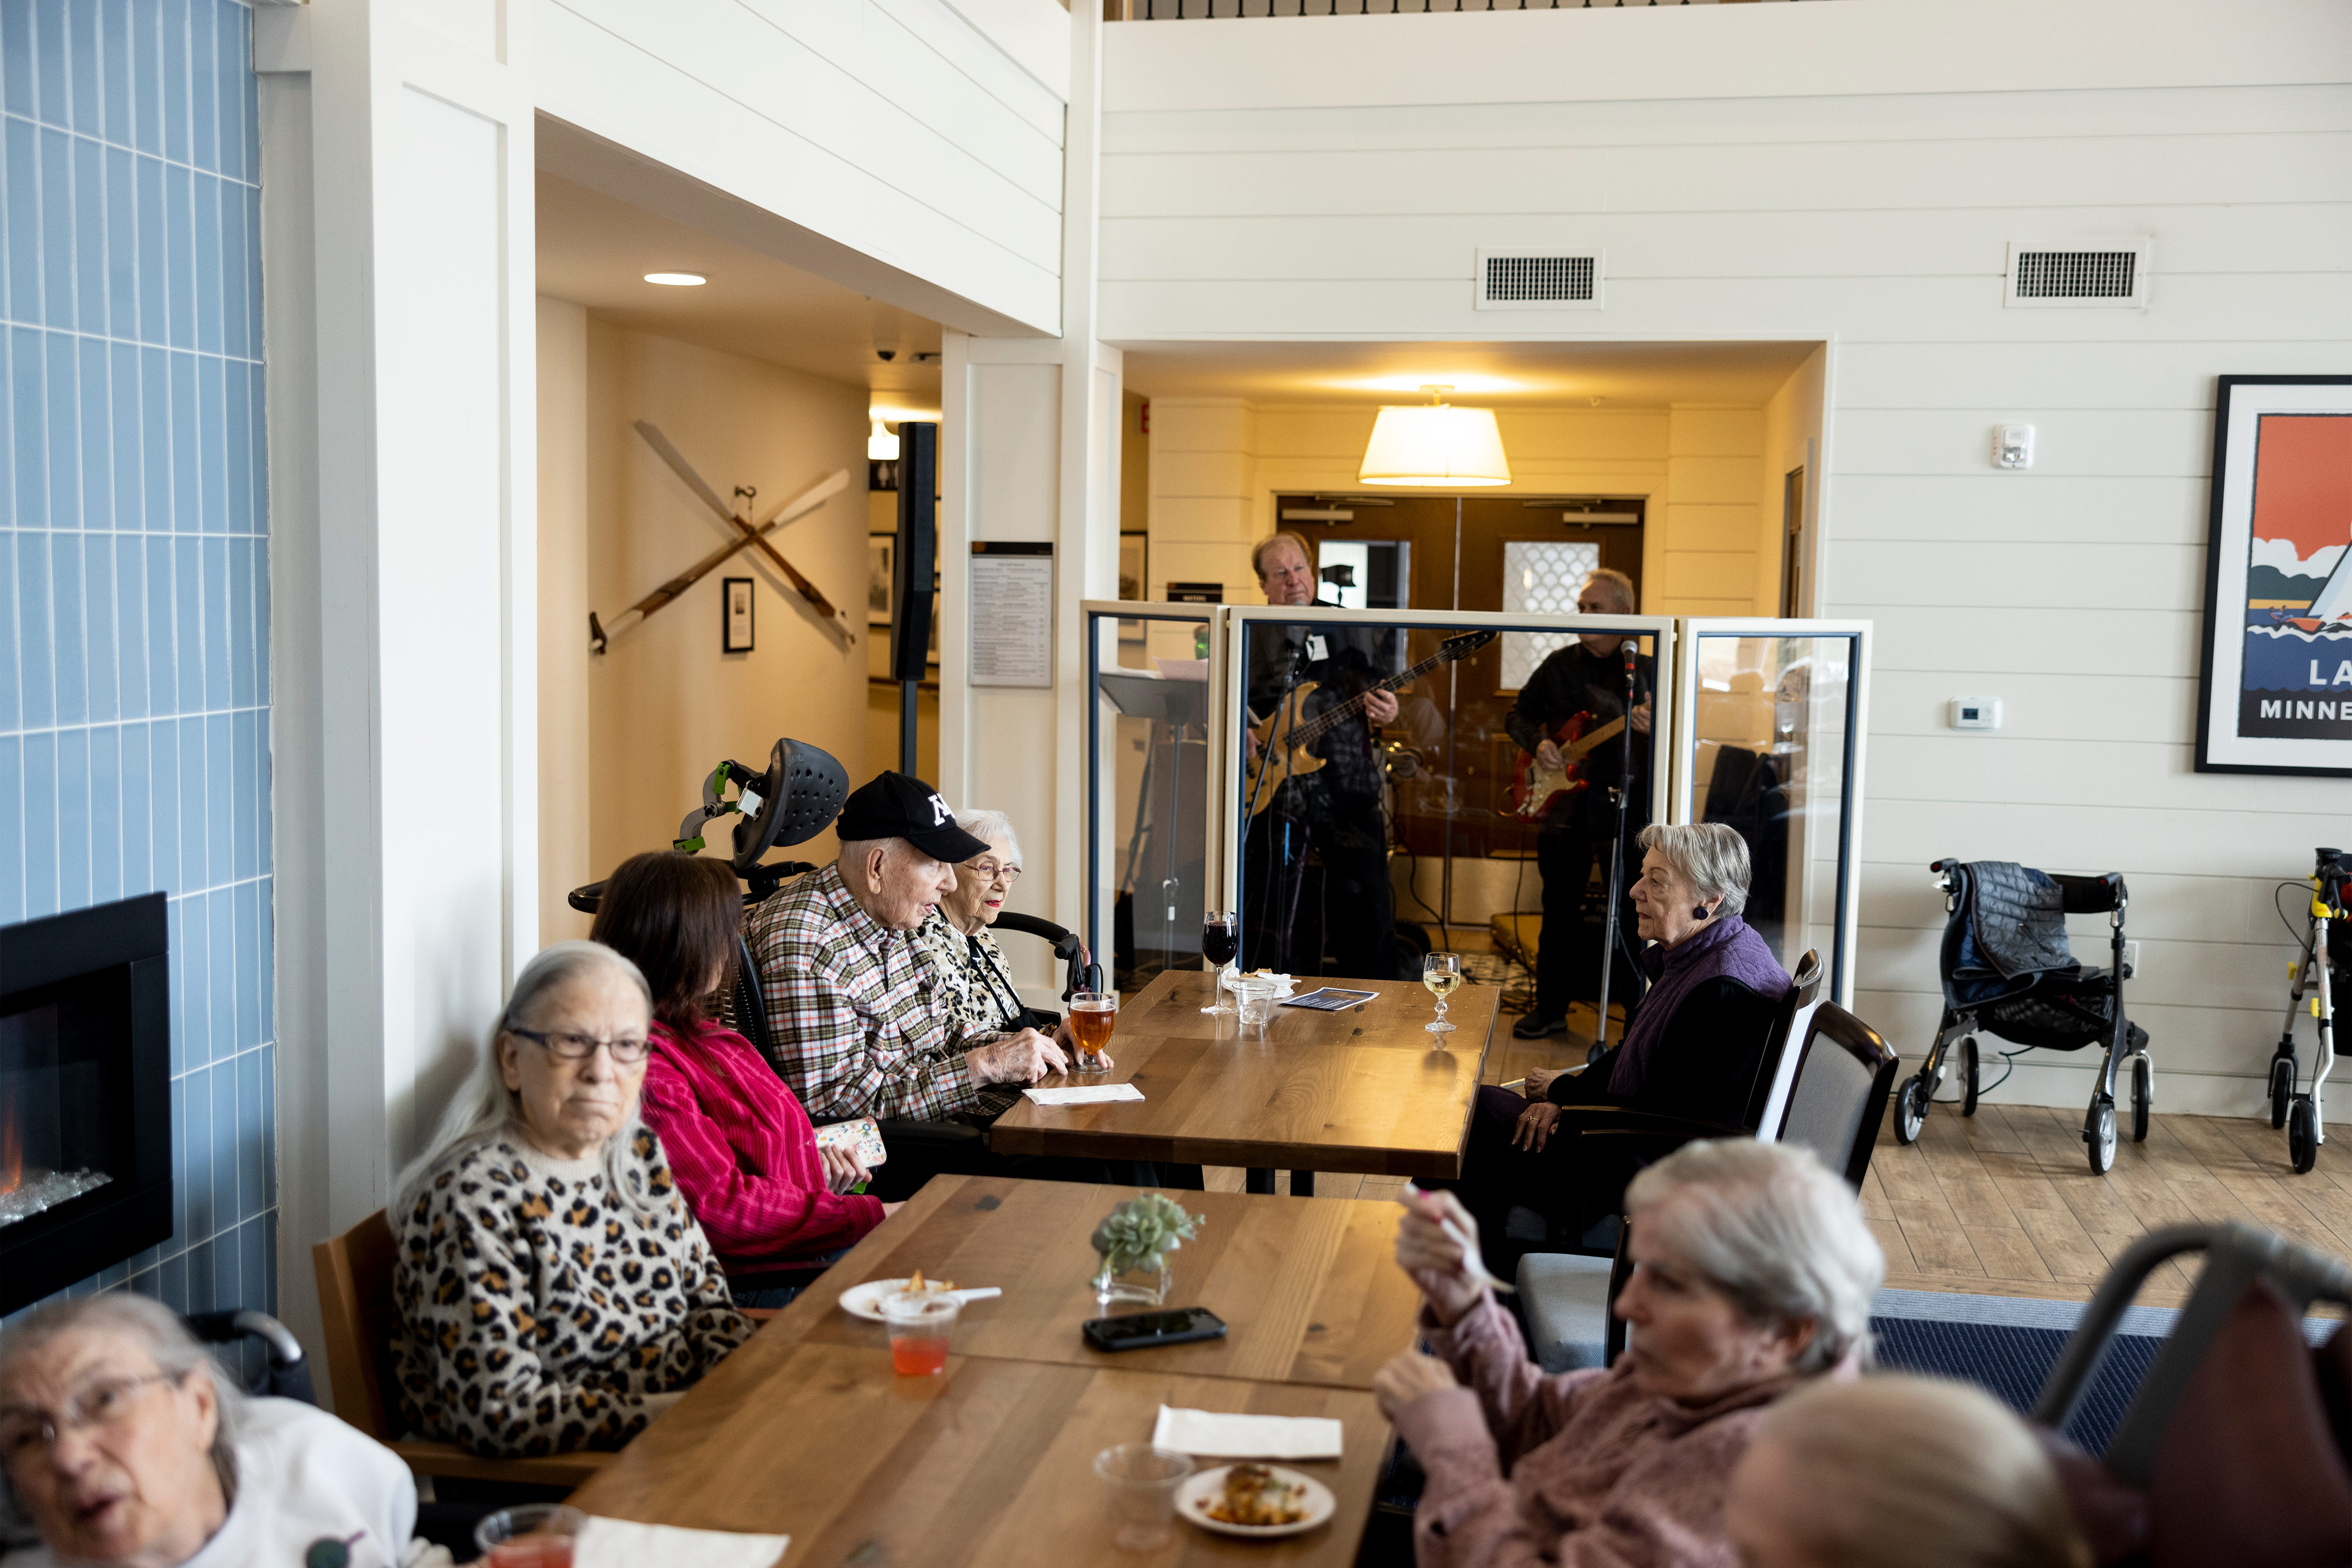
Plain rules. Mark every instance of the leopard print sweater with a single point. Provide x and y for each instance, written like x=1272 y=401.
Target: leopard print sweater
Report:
x=540 y=1313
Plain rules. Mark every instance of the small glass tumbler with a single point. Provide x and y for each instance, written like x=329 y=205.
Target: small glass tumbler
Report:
x=1143 y=1481
x=920 y=1328
x=1255 y=993
x=529 y=1536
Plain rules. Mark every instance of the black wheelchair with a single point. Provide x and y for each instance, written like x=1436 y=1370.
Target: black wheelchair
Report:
x=792 y=800
x=2007 y=971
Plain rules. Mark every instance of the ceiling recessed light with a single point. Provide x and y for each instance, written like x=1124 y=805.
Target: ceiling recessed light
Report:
x=677 y=280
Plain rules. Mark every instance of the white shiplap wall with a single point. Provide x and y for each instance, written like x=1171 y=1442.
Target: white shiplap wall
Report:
x=908 y=148
x=1852 y=174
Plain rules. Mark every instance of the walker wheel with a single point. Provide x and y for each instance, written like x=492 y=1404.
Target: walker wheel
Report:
x=1968 y=1076
x=2303 y=1134
x=2100 y=1135
x=2281 y=1089
x=1910 y=1109
x=2143 y=1097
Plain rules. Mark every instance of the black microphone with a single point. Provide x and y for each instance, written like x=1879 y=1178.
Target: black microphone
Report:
x=1632 y=650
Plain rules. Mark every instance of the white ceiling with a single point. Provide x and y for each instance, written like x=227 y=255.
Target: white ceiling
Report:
x=1549 y=374
x=595 y=251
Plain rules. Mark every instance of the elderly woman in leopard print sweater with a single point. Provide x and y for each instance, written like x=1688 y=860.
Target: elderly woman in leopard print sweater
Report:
x=555 y=1291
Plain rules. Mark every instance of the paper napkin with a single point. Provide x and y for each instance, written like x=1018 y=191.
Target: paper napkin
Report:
x=1214 y=1435
x=1093 y=1094
x=624 y=1543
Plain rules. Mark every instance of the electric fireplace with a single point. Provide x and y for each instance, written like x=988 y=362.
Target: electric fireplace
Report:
x=84 y=1094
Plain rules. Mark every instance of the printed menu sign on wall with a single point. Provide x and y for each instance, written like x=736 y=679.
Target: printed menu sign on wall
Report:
x=1012 y=613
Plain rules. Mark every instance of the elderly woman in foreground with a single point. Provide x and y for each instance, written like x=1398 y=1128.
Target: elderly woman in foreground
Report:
x=554 y=1292
x=1900 y=1472
x=1752 y=1273
x=129 y=1450
x=1690 y=1047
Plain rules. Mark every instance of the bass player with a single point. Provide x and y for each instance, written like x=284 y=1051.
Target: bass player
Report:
x=1587 y=677
x=1288 y=922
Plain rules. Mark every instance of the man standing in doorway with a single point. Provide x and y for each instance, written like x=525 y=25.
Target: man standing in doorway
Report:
x=1288 y=921
x=1587 y=677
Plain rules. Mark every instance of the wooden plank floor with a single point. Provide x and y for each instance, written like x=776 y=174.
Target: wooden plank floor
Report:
x=2004 y=1203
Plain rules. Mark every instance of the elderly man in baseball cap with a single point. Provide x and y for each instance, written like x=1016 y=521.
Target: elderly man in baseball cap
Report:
x=857 y=1029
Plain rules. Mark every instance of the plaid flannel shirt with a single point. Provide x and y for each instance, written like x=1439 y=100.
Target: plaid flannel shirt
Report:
x=855 y=1027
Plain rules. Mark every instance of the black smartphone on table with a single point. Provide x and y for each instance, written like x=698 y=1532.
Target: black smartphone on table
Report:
x=1142 y=1330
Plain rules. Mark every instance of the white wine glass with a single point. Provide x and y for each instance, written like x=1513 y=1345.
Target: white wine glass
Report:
x=1441 y=972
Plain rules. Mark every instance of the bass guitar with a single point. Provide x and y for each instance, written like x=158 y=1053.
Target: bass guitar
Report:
x=1278 y=761
x=1535 y=789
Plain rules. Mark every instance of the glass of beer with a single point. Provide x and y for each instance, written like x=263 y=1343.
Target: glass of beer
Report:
x=1441 y=972
x=1093 y=1016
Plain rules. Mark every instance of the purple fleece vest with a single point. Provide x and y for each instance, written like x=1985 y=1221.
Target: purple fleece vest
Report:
x=1723 y=947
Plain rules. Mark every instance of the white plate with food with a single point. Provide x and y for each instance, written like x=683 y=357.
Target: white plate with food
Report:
x=866 y=1301
x=1260 y=1503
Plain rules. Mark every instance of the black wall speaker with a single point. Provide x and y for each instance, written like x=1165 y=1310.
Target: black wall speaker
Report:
x=912 y=566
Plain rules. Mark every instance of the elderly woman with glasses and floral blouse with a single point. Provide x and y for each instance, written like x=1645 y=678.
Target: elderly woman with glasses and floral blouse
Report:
x=554 y=1290
x=975 y=984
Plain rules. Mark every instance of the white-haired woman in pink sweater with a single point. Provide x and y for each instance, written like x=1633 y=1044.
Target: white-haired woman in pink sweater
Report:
x=1753 y=1273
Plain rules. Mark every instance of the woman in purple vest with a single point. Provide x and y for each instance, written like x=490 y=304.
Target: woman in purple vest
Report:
x=1691 y=1049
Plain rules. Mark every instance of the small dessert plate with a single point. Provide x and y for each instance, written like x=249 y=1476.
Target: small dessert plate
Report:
x=866 y=1301
x=1198 y=1494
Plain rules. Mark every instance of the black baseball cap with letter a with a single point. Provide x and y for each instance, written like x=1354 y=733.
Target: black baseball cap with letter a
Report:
x=897 y=806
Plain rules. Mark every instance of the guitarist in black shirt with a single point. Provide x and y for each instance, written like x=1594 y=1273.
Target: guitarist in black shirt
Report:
x=1336 y=810
x=1586 y=677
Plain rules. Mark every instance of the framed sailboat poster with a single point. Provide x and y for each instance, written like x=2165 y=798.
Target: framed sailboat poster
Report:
x=2275 y=695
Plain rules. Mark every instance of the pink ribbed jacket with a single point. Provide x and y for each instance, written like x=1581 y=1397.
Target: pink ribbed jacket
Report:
x=743 y=1151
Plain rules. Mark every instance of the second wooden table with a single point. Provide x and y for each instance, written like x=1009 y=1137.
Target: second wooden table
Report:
x=1368 y=1090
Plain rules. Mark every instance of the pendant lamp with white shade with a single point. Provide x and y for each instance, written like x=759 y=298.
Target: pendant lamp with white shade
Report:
x=1435 y=446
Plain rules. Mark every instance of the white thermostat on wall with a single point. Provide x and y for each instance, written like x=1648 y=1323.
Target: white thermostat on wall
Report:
x=2012 y=446
x=1976 y=713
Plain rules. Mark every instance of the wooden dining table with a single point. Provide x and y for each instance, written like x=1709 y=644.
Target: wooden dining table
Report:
x=1308 y=1287
x=806 y=1431
x=1366 y=1089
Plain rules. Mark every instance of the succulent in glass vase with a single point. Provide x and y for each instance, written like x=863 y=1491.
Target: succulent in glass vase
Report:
x=1133 y=1242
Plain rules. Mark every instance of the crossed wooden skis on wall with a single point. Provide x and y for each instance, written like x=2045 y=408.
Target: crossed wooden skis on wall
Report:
x=747 y=533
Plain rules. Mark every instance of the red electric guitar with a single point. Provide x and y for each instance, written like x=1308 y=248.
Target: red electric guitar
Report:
x=1535 y=789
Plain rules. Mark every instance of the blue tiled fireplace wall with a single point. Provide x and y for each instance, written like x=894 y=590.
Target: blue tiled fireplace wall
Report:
x=134 y=561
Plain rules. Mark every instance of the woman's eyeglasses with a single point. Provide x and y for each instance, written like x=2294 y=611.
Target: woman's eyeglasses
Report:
x=580 y=1048
x=104 y=1401
x=990 y=871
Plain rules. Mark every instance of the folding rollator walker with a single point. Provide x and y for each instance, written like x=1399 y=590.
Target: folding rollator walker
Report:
x=2324 y=963
x=2007 y=971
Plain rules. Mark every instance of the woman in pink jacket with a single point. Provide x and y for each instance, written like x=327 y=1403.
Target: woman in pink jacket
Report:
x=743 y=1151
x=1752 y=1273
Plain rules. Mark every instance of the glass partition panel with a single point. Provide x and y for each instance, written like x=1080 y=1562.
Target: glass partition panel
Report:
x=1149 y=738
x=1391 y=800
x=1770 y=744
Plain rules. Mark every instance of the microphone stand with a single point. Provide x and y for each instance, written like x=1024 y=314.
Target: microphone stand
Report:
x=1630 y=648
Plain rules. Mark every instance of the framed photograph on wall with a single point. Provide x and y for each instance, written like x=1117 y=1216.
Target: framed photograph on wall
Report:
x=2274 y=694
x=1134 y=554
x=879 y=550
x=735 y=616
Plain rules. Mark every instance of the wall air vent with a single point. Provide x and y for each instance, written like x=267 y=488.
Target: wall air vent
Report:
x=1559 y=280
x=2105 y=271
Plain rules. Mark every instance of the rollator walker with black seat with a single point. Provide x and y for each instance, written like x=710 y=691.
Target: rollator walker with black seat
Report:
x=2324 y=963
x=2007 y=971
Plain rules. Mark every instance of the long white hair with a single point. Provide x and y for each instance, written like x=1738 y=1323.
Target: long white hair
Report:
x=484 y=1107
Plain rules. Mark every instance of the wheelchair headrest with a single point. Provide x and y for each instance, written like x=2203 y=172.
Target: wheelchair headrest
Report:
x=800 y=796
